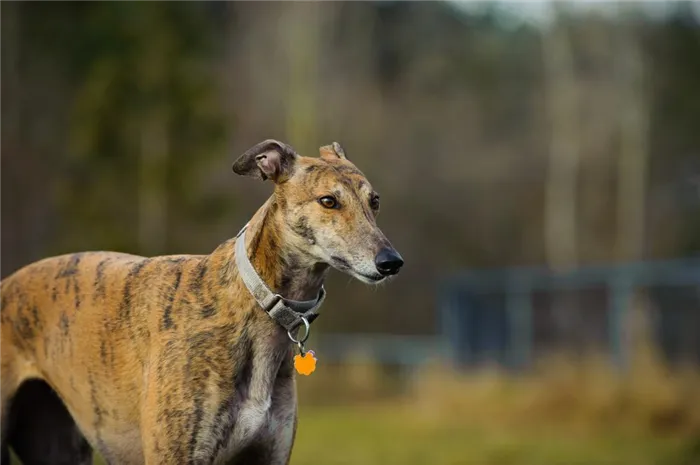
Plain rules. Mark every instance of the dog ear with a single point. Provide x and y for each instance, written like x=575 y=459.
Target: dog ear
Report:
x=332 y=151
x=270 y=159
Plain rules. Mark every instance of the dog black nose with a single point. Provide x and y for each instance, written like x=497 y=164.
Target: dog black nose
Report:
x=388 y=261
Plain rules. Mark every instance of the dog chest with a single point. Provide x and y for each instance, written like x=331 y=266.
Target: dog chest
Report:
x=252 y=416
x=244 y=425
x=267 y=424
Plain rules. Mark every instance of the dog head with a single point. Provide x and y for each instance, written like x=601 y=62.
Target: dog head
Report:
x=327 y=208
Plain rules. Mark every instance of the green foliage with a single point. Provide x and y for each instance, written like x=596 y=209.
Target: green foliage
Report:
x=139 y=66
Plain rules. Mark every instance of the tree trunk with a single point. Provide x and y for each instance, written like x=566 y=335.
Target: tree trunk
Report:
x=303 y=62
x=560 y=201
x=634 y=153
x=152 y=184
x=12 y=218
x=154 y=136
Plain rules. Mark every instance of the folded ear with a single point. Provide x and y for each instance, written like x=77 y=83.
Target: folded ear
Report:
x=333 y=151
x=270 y=159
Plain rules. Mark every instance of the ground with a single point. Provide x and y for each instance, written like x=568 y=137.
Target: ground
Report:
x=564 y=413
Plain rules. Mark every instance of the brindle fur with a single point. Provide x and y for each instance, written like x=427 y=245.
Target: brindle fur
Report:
x=169 y=360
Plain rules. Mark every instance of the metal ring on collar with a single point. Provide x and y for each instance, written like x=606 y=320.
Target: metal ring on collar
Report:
x=307 y=330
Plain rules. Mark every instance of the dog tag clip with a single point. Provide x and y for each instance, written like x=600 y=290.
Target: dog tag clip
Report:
x=304 y=362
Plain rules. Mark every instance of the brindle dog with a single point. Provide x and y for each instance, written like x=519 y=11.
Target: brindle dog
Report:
x=170 y=360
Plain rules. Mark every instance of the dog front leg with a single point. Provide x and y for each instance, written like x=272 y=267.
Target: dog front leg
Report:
x=167 y=436
x=177 y=413
x=283 y=428
x=167 y=425
x=283 y=449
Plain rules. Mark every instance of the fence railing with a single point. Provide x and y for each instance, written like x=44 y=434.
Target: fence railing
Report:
x=511 y=323
x=509 y=316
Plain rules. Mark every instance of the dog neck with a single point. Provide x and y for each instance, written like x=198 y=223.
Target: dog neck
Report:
x=286 y=270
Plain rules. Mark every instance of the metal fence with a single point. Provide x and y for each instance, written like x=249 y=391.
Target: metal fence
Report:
x=510 y=316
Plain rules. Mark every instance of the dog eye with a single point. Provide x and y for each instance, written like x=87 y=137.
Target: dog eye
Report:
x=328 y=202
x=374 y=202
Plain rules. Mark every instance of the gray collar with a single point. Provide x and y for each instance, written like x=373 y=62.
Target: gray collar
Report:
x=290 y=314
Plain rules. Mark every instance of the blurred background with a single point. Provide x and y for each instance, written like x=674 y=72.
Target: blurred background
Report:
x=539 y=166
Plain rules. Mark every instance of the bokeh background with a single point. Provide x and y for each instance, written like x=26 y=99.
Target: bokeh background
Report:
x=539 y=166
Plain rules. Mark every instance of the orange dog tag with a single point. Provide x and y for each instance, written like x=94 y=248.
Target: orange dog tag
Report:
x=305 y=364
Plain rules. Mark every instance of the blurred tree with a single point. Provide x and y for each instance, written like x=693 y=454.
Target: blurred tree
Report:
x=674 y=47
x=35 y=94
x=303 y=50
x=146 y=106
x=634 y=137
x=11 y=119
x=562 y=176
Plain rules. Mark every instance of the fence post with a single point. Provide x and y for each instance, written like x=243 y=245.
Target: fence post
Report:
x=450 y=335
x=519 y=308
x=620 y=291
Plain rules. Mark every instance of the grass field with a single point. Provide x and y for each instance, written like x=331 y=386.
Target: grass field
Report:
x=376 y=435
x=563 y=413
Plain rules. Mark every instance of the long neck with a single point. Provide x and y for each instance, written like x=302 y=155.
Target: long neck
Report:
x=286 y=271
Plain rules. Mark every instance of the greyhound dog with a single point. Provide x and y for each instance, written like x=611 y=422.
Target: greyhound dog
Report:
x=186 y=359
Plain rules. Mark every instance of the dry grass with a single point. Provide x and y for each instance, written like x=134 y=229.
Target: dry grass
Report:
x=584 y=397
